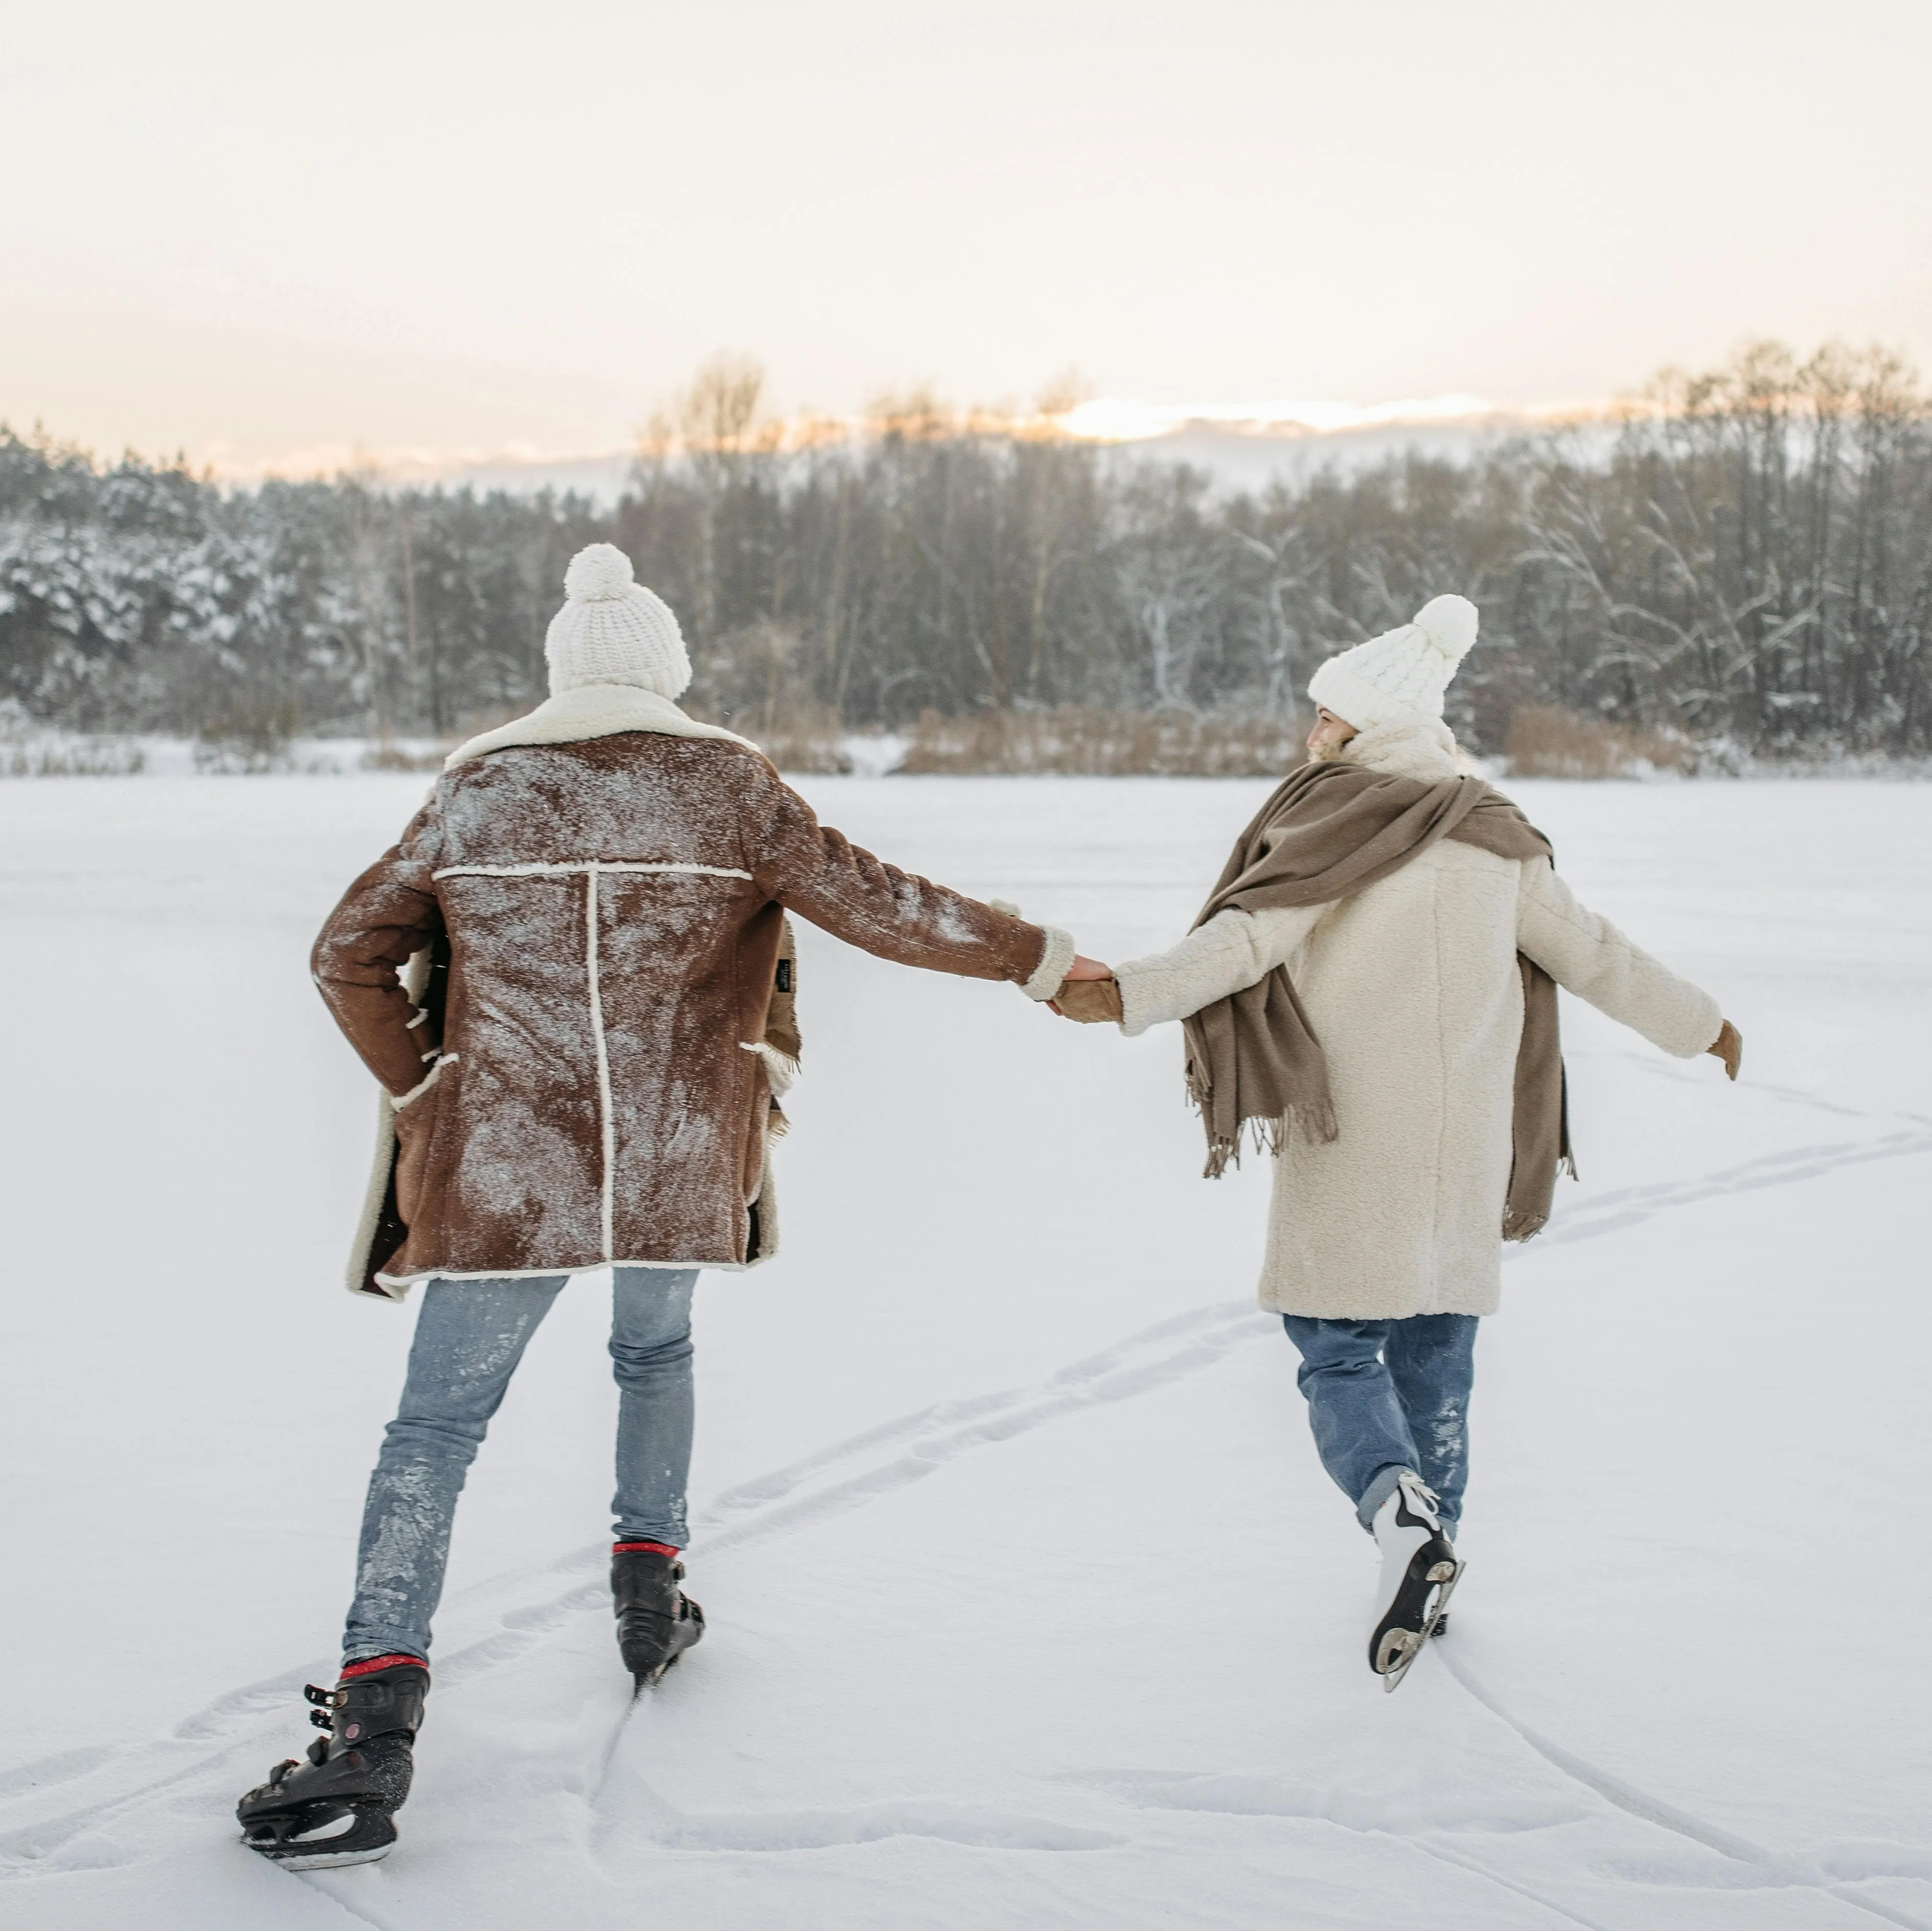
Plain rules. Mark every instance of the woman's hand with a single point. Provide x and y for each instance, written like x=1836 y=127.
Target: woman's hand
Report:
x=1092 y=1001
x=1088 y=994
x=1729 y=1048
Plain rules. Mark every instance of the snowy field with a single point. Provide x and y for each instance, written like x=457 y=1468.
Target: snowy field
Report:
x=1030 y=1604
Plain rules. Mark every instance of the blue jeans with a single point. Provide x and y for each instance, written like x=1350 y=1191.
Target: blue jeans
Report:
x=469 y=1337
x=1385 y=1396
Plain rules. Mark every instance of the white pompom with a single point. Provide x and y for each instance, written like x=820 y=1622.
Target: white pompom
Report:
x=1450 y=624
x=597 y=573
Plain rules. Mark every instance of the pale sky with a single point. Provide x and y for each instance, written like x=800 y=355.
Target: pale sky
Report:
x=250 y=232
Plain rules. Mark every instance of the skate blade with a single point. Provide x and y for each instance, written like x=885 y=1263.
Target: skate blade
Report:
x=1399 y=1647
x=362 y=1838
x=695 y=1625
x=1438 y=1607
x=652 y=1677
x=321 y=1860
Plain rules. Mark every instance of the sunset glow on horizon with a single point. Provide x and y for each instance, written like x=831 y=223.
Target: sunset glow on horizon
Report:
x=398 y=239
x=1109 y=420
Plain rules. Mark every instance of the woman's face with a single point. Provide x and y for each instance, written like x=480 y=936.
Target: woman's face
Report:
x=1330 y=734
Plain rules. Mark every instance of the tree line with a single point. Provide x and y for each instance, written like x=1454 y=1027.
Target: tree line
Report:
x=1746 y=560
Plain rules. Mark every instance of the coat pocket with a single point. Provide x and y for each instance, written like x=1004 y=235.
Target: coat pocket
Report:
x=416 y=1115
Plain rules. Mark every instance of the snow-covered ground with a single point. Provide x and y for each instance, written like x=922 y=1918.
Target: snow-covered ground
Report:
x=1030 y=1605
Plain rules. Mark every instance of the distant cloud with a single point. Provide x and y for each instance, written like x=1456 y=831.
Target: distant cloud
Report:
x=1125 y=419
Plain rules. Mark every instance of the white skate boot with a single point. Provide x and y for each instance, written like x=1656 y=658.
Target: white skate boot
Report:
x=1420 y=1569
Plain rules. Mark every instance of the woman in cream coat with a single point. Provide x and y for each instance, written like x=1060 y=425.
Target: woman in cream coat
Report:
x=1384 y=1244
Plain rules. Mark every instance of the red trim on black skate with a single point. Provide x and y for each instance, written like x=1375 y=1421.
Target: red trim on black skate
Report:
x=349 y=1669
x=642 y=1548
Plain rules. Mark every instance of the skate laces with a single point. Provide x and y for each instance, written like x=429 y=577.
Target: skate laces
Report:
x=1413 y=1485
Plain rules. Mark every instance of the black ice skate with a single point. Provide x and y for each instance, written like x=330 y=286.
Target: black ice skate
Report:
x=338 y=1806
x=657 y=1622
x=1419 y=1569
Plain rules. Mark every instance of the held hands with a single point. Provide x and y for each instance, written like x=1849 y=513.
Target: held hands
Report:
x=1729 y=1048
x=1090 y=993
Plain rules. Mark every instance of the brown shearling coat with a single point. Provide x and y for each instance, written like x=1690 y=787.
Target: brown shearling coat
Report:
x=610 y=912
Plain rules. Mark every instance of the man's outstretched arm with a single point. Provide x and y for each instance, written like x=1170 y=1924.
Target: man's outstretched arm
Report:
x=821 y=875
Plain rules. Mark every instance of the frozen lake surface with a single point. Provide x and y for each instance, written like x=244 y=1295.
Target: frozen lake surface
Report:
x=1030 y=1604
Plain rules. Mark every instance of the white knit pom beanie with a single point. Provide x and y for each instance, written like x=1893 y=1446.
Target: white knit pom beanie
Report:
x=1399 y=678
x=611 y=630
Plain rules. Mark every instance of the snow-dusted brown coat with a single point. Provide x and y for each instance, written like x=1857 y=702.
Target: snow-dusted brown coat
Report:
x=589 y=1080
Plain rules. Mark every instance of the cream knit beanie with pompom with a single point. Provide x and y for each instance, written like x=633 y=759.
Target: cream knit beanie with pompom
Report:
x=611 y=630
x=1399 y=678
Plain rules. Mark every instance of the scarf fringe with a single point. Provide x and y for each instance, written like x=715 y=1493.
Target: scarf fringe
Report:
x=1262 y=1134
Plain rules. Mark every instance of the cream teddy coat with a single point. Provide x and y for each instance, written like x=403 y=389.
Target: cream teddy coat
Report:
x=1411 y=987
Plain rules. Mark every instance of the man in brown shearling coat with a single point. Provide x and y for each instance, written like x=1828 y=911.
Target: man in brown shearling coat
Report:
x=572 y=978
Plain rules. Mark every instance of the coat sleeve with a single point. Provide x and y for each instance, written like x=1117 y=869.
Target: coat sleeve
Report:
x=1232 y=951
x=387 y=916
x=821 y=875
x=1591 y=958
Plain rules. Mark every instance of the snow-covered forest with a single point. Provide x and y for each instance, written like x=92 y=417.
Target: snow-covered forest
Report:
x=1748 y=562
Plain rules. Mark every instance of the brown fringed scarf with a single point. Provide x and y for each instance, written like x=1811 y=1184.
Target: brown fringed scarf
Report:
x=1329 y=831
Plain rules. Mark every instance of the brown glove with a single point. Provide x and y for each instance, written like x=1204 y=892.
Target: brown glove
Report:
x=1093 y=1002
x=1730 y=1049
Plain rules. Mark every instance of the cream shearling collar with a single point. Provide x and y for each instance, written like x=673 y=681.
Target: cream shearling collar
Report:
x=1428 y=752
x=592 y=711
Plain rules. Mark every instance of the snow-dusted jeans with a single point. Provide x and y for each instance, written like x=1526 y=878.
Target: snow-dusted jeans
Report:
x=1384 y=1395
x=469 y=1337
